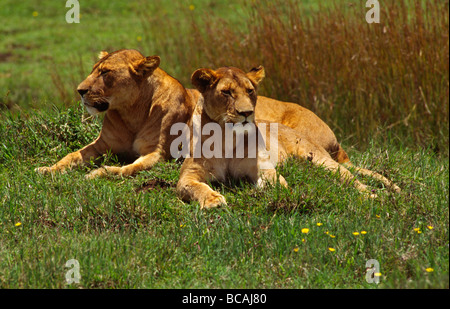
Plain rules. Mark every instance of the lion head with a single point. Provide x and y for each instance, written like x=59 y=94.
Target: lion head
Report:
x=115 y=80
x=229 y=93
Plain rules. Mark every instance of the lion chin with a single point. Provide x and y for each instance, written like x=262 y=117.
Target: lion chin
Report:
x=240 y=126
x=95 y=108
x=244 y=127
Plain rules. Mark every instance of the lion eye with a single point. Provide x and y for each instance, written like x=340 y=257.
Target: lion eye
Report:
x=226 y=92
x=104 y=72
x=250 y=91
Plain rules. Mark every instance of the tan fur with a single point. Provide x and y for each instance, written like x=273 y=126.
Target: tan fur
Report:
x=141 y=102
x=229 y=95
x=304 y=121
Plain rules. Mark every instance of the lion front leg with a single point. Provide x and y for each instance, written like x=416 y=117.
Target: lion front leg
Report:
x=86 y=154
x=141 y=164
x=192 y=190
x=266 y=172
x=192 y=187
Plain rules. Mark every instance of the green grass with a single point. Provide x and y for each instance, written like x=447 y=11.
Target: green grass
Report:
x=135 y=232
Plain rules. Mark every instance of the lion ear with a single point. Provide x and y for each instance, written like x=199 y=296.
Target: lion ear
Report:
x=256 y=74
x=203 y=78
x=102 y=54
x=146 y=66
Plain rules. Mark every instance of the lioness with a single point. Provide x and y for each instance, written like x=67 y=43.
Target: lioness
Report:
x=229 y=96
x=141 y=102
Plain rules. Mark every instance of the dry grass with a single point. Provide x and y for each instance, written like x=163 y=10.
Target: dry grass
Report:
x=365 y=80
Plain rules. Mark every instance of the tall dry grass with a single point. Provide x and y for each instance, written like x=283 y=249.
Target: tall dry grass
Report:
x=365 y=80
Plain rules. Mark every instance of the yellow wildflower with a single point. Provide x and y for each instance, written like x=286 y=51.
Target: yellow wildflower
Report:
x=191 y=7
x=430 y=227
x=429 y=270
x=377 y=274
x=296 y=249
x=35 y=14
x=363 y=232
x=331 y=249
x=139 y=38
x=355 y=233
x=319 y=224
x=18 y=224
x=305 y=231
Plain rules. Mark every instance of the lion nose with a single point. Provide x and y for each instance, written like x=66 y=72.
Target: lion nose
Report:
x=82 y=92
x=246 y=113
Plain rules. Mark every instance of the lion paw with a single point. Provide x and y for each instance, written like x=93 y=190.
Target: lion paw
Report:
x=49 y=170
x=262 y=182
x=43 y=170
x=213 y=201
x=283 y=182
x=105 y=171
x=100 y=172
x=396 y=188
x=370 y=195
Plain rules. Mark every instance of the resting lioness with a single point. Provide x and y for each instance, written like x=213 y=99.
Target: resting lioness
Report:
x=229 y=96
x=141 y=102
